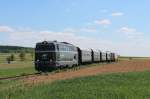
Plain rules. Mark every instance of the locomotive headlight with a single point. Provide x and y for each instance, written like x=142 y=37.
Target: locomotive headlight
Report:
x=50 y=60
x=37 y=60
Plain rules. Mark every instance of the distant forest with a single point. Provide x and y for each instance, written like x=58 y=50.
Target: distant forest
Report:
x=15 y=49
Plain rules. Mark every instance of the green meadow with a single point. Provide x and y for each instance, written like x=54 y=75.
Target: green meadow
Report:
x=16 y=67
x=133 y=85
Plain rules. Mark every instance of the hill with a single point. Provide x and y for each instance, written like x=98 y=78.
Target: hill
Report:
x=15 y=49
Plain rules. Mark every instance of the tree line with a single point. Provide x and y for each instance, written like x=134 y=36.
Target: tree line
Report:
x=15 y=49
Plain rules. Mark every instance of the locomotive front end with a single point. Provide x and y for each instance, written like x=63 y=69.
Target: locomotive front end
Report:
x=45 y=56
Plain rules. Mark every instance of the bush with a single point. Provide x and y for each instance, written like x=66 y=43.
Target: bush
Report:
x=22 y=56
x=12 y=57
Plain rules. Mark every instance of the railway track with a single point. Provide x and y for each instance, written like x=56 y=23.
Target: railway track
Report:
x=30 y=75
x=20 y=76
x=42 y=73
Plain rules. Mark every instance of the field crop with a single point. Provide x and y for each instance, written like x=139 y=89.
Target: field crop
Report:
x=135 y=85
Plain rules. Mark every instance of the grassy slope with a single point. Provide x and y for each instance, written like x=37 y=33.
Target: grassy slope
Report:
x=109 y=86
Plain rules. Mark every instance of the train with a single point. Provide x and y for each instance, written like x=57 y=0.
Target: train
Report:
x=53 y=54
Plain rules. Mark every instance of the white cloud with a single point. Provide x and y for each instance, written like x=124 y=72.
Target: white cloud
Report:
x=117 y=14
x=126 y=29
x=6 y=29
x=84 y=29
x=70 y=30
x=30 y=38
x=128 y=48
x=131 y=33
x=103 y=22
x=88 y=29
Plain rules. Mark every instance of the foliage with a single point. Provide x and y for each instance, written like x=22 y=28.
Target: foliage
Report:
x=12 y=57
x=22 y=56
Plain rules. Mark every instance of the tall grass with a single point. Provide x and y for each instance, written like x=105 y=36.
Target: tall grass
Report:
x=109 y=86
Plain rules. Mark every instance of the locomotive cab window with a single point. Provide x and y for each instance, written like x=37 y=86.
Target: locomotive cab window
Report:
x=45 y=47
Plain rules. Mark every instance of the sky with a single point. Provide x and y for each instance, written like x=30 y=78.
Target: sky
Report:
x=121 y=26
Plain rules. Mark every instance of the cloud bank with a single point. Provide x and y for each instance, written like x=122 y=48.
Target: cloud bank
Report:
x=135 y=45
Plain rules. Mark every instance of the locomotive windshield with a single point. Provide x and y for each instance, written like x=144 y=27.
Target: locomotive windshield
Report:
x=45 y=47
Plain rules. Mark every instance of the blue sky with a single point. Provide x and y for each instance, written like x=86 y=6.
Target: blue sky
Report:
x=117 y=25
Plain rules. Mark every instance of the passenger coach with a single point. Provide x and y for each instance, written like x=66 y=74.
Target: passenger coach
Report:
x=84 y=56
x=96 y=56
x=103 y=57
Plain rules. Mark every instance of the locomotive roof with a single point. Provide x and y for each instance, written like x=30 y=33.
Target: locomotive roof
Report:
x=56 y=42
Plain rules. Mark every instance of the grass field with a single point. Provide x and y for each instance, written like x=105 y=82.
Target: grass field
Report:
x=16 y=67
x=134 y=85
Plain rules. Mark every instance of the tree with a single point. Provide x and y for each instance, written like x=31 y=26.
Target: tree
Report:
x=22 y=56
x=8 y=60
x=12 y=57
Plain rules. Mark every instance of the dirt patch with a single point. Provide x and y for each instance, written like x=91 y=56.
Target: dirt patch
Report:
x=121 y=66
